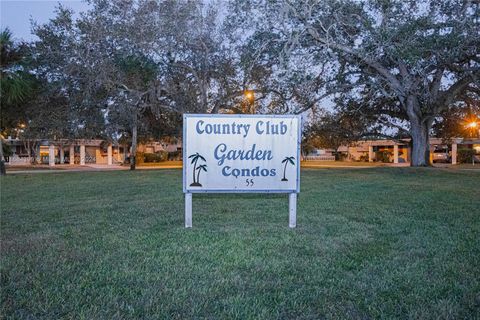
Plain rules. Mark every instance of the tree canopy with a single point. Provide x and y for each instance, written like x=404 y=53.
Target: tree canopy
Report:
x=129 y=68
x=405 y=62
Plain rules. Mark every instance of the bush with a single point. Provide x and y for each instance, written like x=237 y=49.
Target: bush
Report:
x=340 y=156
x=383 y=156
x=140 y=158
x=156 y=157
x=7 y=149
x=363 y=158
x=465 y=155
x=174 y=155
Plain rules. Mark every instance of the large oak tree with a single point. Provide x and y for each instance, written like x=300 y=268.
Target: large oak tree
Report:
x=406 y=61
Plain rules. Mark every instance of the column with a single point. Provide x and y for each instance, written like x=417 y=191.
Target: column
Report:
x=119 y=156
x=51 y=155
x=454 y=153
x=109 y=155
x=62 y=155
x=98 y=155
x=395 y=153
x=72 y=155
x=82 y=154
x=370 y=153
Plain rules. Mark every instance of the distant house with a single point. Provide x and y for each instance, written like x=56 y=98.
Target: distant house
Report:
x=91 y=151
x=157 y=146
x=320 y=155
x=80 y=151
x=396 y=151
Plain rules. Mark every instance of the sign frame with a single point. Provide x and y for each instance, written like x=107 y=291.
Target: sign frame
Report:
x=291 y=192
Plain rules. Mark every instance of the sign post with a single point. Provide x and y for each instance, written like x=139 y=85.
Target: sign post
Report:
x=292 y=210
x=241 y=154
x=188 y=210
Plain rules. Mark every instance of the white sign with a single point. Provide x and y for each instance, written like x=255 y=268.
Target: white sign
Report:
x=241 y=153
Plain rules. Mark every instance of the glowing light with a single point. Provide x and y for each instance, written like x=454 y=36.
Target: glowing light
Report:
x=249 y=95
x=472 y=125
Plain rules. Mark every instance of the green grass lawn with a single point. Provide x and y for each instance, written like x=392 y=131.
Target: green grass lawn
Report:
x=370 y=243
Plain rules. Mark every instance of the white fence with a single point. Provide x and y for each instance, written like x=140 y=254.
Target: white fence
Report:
x=320 y=158
x=16 y=160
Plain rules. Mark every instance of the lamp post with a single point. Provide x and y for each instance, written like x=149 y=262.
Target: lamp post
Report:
x=250 y=97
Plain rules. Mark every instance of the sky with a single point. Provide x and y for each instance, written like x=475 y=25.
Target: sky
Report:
x=16 y=14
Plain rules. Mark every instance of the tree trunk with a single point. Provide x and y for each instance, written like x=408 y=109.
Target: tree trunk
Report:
x=203 y=96
x=133 y=154
x=420 y=143
x=29 y=150
x=420 y=133
x=36 y=152
x=3 y=170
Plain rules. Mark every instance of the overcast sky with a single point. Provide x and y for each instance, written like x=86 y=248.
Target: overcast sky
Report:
x=16 y=14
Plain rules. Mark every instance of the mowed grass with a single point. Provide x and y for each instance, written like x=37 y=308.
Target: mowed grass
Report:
x=370 y=244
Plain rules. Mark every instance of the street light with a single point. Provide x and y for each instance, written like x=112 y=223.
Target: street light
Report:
x=250 y=96
x=472 y=125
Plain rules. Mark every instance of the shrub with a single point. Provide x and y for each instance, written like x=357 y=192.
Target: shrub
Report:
x=140 y=158
x=164 y=155
x=7 y=149
x=383 y=156
x=363 y=158
x=156 y=157
x=174 y=155
x=340 y=156
x=465 y=155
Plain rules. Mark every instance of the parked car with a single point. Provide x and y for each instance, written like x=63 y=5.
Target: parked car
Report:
x=441 y=154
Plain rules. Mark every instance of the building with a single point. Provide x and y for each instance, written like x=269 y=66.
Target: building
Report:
x=85 y=151
x=397 y=151
x=79 y=151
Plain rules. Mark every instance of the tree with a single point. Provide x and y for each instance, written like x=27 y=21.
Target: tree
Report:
x=457 y=122
x=134 y=61
x=16 y=83
x=17 y=86
x=132 y=100
x=420 y=56
x=107 y=77
x=71 y=102
x=341 y=128
x=47 y=117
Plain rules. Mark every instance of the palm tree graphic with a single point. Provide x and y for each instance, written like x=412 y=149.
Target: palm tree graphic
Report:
x=195 y=157
x=287 y=160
